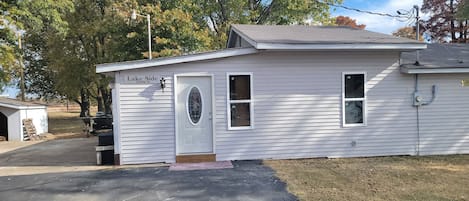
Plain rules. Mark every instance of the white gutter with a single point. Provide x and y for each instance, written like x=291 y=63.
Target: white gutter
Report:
x=407 y=70
x=111 y=67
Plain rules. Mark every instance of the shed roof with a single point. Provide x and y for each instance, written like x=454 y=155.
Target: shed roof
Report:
x=437 y=58
x=320 y=37
x=17 y=104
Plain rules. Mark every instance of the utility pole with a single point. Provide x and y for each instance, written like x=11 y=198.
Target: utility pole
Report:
x=417 y=32
x=22 y=88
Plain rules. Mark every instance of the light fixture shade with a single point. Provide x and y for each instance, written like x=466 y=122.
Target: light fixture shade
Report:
x=133 y=16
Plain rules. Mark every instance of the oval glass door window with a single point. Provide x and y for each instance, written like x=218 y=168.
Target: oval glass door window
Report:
x=194 y=105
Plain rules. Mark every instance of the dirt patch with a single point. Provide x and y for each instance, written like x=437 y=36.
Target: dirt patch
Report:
x=65 y=125
x=381 y=178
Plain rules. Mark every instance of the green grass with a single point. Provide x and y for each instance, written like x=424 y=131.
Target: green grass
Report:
x=379 y=178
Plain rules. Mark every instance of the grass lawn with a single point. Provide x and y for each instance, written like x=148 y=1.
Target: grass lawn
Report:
x=66 y=125
x=65 y=122
x=380 y=178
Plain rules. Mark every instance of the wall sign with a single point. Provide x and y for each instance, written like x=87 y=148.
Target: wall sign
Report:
x=142 y=79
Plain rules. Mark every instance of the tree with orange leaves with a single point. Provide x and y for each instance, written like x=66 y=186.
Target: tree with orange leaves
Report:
x=347 y=21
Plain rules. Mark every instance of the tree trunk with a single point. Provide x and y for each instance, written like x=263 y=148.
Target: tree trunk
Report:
x=452 y=28
x=99 y=100
x=84 y=103
x=107 y=99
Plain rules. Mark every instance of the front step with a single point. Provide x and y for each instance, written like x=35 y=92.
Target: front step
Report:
x=196 y=158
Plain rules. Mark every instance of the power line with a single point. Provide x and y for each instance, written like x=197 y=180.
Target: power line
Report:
x=364 y=11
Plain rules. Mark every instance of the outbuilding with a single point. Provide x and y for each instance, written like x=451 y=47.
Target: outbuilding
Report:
x=286 y=92
x=12 y=114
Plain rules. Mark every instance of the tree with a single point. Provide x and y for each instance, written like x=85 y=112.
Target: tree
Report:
x=347 y=21
x=407 y=32
x=443 y=23
x=64 y=48
x=221 y=14
x=31 y=19
x=101 y=31
x=464 y=10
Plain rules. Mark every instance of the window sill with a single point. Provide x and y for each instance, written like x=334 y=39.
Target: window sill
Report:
x=241 y=128
x=353 y=125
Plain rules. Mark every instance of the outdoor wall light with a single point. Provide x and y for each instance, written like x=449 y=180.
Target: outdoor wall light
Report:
x=162 y=83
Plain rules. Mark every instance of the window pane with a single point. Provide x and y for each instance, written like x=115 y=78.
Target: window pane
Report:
x=194 y=105
x=240 y=114
x=353 y=112
x=354 y=86
x=240 y=87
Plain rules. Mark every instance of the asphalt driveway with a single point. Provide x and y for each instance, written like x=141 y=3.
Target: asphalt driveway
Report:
x=248 y=180
x=64 y=152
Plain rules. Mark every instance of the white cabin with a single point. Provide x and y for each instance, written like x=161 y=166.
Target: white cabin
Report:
x=283 y=92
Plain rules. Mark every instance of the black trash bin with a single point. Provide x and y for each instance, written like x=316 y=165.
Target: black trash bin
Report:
x=106 y=139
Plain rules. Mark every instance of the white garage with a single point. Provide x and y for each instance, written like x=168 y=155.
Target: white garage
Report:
x=12 y=114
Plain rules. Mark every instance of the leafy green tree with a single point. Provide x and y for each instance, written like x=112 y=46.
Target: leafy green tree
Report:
x=101 y=31
x=34 y=20
x=219 y=15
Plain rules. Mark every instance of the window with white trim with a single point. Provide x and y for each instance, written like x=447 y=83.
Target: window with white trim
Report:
x=239 y=101
x=353 y=99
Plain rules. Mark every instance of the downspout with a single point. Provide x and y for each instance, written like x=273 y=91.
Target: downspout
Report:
x=416 y=90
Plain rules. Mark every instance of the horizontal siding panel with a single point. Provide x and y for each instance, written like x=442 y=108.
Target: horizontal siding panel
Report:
x=297 y=103
x=444 y=124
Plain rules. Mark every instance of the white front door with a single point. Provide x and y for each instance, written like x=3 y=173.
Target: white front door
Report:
x=194 y=115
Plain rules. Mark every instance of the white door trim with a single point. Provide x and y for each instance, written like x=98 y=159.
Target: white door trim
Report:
x=176 y=123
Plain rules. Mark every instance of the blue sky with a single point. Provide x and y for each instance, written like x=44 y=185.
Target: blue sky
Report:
x=373 y=22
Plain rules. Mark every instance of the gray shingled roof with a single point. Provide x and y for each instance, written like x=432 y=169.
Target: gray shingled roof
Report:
x=17 y=103
x=439 y=56
x=301 y=34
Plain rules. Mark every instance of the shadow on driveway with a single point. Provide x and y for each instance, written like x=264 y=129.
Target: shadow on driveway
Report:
x=248 y=180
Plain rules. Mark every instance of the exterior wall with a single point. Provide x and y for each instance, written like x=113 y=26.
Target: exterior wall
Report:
x=297 y=108
x=39 y=117
x=444 y=124
x=15 y=129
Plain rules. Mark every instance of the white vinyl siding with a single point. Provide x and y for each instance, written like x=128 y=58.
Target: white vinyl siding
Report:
x=444 y=124
x=297 y=108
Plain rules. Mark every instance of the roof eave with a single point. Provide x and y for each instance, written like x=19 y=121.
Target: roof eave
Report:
x=119 y=66
x=20 y=107
x=358 y=46
x=440 y=70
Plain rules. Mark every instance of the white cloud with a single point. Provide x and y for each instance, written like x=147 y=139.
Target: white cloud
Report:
x=378 y=23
